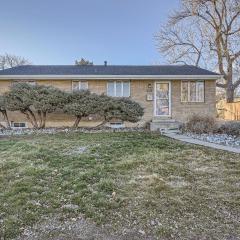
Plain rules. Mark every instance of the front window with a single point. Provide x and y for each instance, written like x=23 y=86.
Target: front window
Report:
x=30 y=82
x=192 y=91
x=33 y=83
x=118 y=89
x=79 y=85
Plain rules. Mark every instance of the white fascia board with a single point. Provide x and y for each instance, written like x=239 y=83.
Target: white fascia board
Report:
x=113 y=77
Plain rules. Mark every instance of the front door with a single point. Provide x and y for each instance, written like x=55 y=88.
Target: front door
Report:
x=162 y=99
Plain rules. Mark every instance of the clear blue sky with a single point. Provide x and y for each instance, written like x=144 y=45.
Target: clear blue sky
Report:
x=60 y=31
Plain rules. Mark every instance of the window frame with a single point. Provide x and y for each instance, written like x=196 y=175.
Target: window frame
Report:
x=116 y=125
x=189 y=91
x=122 y=88
x=19 y=123
x=79 y=85
x=30 y=82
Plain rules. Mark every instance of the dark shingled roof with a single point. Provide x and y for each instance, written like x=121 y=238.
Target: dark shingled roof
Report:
x=106 y=70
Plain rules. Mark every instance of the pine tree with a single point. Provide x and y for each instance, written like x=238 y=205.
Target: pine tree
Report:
x=3 y=111
x=35 y=101
x=82 y=104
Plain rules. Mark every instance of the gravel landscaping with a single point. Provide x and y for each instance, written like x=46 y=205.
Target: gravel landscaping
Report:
x=30 y=131
x=222 y=139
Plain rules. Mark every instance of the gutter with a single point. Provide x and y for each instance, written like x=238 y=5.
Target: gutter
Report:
x=110 y=77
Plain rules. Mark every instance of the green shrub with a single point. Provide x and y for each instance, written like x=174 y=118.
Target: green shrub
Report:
x=123 y=109
x=34 y=101
x=81 y=104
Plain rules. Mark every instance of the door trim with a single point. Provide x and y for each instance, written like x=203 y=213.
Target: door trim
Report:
x=170 y=99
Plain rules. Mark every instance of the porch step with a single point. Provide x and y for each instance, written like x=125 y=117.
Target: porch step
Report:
x=164 y=125
x=163 y=119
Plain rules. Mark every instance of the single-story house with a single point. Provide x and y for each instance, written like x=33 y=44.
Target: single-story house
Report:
x=168 y=93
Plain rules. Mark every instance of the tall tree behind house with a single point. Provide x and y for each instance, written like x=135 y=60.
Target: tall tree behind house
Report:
x=9 y=60
x=205 y=33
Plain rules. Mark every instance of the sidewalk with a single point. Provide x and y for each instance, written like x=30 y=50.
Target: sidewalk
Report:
x=188 y=139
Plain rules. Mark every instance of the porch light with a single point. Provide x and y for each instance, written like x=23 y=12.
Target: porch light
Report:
x=149 y=95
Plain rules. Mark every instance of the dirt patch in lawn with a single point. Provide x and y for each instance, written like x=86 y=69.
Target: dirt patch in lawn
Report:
x=56 y=228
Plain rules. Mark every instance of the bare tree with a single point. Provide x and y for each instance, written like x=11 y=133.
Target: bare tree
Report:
x=180 y=44
x=8 y=61
x=237 y=76
x=205 y=33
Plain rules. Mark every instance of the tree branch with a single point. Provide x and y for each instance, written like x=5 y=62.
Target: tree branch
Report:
x=221 y=85
x=236 y=84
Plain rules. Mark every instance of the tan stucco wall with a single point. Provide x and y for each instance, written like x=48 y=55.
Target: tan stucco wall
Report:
x=180 y=111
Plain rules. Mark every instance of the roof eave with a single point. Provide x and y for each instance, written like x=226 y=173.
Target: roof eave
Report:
x=108 y=77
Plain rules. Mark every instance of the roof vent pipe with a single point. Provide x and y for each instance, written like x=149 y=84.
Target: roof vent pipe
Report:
x=105 y=63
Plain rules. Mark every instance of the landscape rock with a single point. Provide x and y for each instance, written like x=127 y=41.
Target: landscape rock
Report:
x=222 y=139
x=30 y=131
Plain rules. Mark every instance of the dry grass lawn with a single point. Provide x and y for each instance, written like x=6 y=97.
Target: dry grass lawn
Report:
x=134 y=184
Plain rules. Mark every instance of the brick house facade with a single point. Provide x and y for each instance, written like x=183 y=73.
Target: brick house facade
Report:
x=167 y=93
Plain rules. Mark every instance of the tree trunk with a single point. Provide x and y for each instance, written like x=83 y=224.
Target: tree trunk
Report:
x=40 y=118
x=5 y=117
x=34 y=124
x=2 y=126
x=7 y=120
x=102 y=123
x=44 y=116
x=33 y=118
x=77 y=121
x=230 y=94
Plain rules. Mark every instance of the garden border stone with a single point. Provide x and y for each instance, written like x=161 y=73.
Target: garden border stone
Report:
x=191 y=140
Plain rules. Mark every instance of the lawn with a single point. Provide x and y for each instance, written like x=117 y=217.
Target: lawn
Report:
x=138 y=183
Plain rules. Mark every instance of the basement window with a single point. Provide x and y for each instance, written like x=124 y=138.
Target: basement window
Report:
x=116 y=125
x=18 y=125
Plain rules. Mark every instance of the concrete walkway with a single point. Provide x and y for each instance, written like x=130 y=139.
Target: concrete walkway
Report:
x=188 y=139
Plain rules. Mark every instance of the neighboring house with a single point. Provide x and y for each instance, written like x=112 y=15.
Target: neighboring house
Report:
x=168 y=93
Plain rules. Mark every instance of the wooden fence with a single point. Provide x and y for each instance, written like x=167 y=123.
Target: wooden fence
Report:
x=228 y=111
